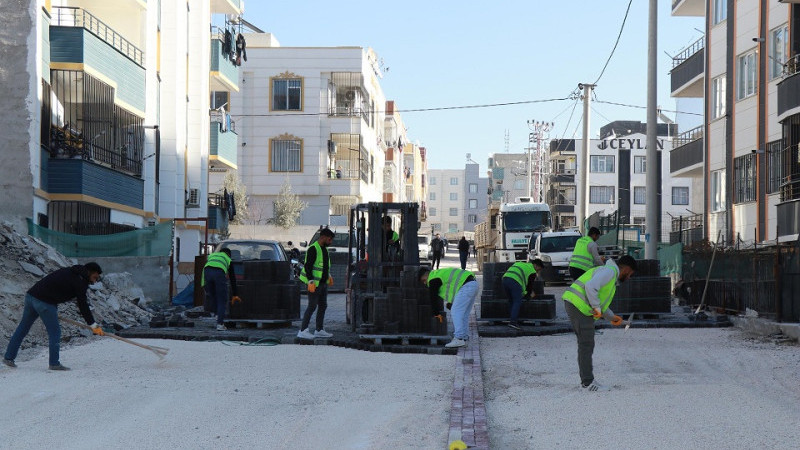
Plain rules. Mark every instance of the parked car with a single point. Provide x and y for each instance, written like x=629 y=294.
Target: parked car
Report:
x=424 y=244
x=339 y=245
x=554 y=248
x=252 y=249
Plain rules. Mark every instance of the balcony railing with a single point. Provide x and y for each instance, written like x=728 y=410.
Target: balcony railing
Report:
x=688 y=136
x=687 y=53
x=64 y=16
x=687 y=150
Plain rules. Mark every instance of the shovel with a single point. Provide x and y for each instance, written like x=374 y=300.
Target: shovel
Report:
x=628 y=324
x=159 y=351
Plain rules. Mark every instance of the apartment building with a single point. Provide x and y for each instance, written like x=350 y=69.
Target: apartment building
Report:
x=457 y=199
x=312 y=117
x=617 y=178
x=743 y=158
x=118 y=105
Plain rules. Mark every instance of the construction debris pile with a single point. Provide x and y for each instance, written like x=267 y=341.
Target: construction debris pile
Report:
x=117 y=302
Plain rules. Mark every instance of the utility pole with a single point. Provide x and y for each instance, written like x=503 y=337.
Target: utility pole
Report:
x=583 y=207
x=652 y=177
x=539 y=129
x=528 y=172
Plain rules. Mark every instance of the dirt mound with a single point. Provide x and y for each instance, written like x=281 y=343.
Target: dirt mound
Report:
x=117 y=302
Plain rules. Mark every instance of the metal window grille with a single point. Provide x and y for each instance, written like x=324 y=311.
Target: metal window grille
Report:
x=285 y=156
x=744 y=172
x=776 y=165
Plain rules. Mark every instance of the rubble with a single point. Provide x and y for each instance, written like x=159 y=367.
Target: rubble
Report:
x=117 y=302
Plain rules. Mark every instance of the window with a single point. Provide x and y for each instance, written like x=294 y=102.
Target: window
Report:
x=639 y=195
x=776 y=160
x=718 y=96
x=473 y=203
x=452 y=227
x=519 y=184
x=680 y=195
x=718 y=190
x=746 y=72
x=287 y=94
x=602 y=164
x=453 y=181
x=720 y=11
x=433 y=181
x=472 y=218
x=432 y=212
x=453 y=212
x=601 y=195
x=473 y=188
x=454 y=196
x=566 y=196
x=639 y=164
x=778 y=50
x=437 y=226
x=285 y=155
x=433 y=195
x=744 y=178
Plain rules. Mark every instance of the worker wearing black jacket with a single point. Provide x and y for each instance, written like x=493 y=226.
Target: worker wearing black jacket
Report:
x=42 y=300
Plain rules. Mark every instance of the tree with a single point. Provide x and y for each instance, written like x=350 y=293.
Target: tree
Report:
x=288 y=207
x=232 y=183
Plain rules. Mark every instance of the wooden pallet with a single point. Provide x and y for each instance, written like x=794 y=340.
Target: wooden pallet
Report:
x=523 y=322
x=404 y=339
x=257 y=323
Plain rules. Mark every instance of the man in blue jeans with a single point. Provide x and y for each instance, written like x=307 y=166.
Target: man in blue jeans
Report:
x=42 y=300
x=458 y=290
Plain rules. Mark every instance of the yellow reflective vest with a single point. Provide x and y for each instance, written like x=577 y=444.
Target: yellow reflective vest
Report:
x=520 y=272
x=576 y=293
x=316 y=272
x=581 y=258
x=452 y=280
x=219 y=260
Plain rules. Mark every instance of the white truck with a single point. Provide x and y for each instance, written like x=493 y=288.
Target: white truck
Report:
x=516 y=223
x=554 y=248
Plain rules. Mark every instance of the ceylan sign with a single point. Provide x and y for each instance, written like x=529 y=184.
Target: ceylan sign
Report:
x=628 y=144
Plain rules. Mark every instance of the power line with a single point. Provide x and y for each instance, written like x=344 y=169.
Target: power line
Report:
x=622 y=27
x=644 y=107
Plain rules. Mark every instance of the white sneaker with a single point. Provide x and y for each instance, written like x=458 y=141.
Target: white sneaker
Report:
x=322 y=334
x=594 y=386
x=305 y=334
x=221 y=327
x=456 y=342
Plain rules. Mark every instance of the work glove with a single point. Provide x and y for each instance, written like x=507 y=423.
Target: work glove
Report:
x=97 y=330
x=596 y=313
x=616 y=321
x=236 y=299
x=438 y=316
x=449 y=305
x=330 y=280
x=312 y=287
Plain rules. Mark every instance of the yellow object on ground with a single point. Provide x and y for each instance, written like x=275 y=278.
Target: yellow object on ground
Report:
x=458 y=445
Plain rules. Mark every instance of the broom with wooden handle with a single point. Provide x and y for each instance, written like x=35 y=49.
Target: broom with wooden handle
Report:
x=159 y=351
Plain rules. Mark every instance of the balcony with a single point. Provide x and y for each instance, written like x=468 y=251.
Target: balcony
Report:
x=562 y=145
x=224 y=74
x=692 y=8
x=562 y=209
x=687 y=155
x=565 y=176
x=232 y=7
x=789 y=89
x=80 y=41
x=83 y=178
x=688 y=69
x=217 y=212
x=222 y=145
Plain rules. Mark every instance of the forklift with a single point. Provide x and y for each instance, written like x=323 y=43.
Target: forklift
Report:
x=384 y=295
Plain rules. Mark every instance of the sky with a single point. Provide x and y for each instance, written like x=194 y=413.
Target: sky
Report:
x=453 y=54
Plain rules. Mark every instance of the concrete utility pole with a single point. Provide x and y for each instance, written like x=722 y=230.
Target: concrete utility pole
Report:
x=652 y=177
x=583 y=207
x=539 y=130
x=528 y=172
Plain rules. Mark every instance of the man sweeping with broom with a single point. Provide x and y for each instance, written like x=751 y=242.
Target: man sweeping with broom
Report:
x=42 y=301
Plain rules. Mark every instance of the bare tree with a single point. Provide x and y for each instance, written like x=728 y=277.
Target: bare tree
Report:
x=288 y=207
x=232 y=183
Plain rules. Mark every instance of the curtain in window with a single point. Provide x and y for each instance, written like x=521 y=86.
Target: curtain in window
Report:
x=285 y=156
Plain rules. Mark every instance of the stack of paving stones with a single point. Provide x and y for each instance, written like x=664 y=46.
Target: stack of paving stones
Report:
x=162 y=320
x=646 y=292
x=267 y=292
x=406 y=308
x=494 y=301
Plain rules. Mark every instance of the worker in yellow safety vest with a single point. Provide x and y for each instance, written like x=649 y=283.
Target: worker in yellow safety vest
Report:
x=587 y=300
x=518 y=281
x=585 y=255
x=218 y=266
x=316 y=275
x=458 y=290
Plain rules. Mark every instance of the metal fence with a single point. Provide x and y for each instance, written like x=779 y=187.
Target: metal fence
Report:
x=65 y=16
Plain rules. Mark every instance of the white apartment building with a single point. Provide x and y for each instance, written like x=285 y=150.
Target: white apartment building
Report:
x=617 y=181
x=508 y=177
x=313 y=117
x=457 y=199
x=743 y=158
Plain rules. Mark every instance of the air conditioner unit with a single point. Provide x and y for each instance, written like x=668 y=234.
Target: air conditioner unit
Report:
x=569 y=172
x=350 y=95
x=194 y=197
x=151 y=222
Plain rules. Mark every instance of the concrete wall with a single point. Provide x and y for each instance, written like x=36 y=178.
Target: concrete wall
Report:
x=151 y=273
x=20 y=87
